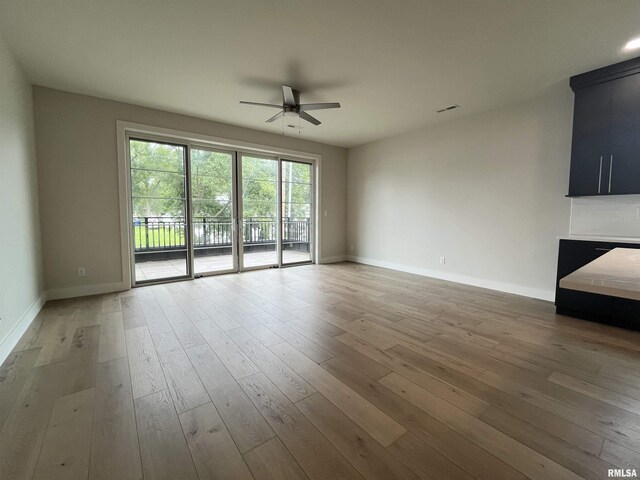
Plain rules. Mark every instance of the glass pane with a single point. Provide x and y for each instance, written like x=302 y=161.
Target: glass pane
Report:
x=212 y=210
x=259 y=211
x=159 y=205
x=297 y=194
x=157 y=156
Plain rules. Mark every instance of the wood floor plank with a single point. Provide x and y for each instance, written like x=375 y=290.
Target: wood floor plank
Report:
x=453 y=449
x=154 y=315
x=288 y=381
x=110 y=303
x=370 y=333
x=213 y=451
x=363 y=363
x=263 y=334
x=190 y=306
x=65 y=450
x=24 y=430
x=244 y=422
x=406 y=366
x=614 y=430
x=112 y=343
x=319 y=459
x=524 y=459
x=182 y=327
x=272 y=461
x=82 y=360
x=114 y=438
x=606 y=395
x=215 y=314
x=375 y=422
x=163 y=449
x=36 y=332
x=362 y=451
x=132 y=314
x=183 y=381
x=425 y=460
x=619 y=456
x=231 y=355
x=14 y=372
x=57 y=345
x=575 y=459
x=144 y=366
x=296 y=339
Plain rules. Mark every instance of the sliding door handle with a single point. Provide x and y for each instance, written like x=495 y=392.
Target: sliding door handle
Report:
x=610 y=171
x=600 y=175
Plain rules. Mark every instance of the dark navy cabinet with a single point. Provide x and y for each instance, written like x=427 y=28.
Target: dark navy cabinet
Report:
x=605 y=148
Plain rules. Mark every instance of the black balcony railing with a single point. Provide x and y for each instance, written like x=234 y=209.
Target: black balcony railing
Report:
x=156 y=234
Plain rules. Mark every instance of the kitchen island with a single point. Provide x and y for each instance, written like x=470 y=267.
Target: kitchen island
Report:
x=616 y=274
x=599 y=281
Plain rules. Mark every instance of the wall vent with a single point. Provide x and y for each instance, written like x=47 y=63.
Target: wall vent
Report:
x=446 y=109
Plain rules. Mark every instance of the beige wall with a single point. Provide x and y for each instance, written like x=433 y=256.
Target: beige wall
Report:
x=78 y=173
x=21 y=284
x=485 y=191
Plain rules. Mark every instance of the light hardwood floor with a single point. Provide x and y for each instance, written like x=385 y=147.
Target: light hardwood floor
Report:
x=317 y=372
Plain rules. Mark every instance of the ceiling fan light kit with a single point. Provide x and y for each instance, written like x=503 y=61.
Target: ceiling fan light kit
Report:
x=291 y=106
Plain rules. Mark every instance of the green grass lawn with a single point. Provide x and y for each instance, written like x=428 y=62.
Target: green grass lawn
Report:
x=158 y=237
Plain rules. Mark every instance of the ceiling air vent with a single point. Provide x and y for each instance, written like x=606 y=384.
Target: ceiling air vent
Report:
x=446 y=109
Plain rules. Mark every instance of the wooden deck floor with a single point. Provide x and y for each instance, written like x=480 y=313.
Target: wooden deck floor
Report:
x=321 y=372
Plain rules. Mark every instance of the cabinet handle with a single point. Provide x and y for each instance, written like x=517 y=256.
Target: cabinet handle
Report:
x=610 y=171
x=600 y=174
x=604 y=249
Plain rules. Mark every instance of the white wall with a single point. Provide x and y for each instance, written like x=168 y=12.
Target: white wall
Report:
x=21 y=280
x=485 y=191
x=78 y=172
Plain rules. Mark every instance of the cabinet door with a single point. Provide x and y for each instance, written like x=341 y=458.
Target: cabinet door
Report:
x=591 y=124
x=625 y=137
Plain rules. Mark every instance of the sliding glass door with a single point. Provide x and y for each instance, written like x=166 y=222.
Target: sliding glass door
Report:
x=213 y=211
x=197 y=210
x=159 y=209
x=259 y=211
x=297 y=208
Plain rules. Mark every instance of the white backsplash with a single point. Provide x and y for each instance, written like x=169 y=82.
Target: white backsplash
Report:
x=614 y=216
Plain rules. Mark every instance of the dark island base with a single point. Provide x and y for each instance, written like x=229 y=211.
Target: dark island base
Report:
x=621 y=312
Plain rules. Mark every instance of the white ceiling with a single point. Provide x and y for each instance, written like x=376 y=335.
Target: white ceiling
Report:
x=390 y=63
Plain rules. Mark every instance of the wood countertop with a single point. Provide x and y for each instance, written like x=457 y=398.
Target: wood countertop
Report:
x=616 y=273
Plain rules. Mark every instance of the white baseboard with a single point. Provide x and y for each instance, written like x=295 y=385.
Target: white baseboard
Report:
x=333 y=259
x=84 y=290
x=16 y=334
x=515 y=289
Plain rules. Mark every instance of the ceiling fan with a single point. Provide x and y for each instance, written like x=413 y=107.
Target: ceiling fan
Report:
x=291 y=106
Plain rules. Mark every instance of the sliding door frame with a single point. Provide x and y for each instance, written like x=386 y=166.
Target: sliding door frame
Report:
x=312 y=234
x=240 y=212
x=126 y=130
x=187 y=208
x=234 y=209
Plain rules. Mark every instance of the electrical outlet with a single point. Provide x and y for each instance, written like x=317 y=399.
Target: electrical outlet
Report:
x=351 y=247
x=326 y=213
x=82 y=272
x=442 y=260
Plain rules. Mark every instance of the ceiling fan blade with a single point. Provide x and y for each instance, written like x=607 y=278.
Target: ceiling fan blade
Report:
x=309 y=118
x=261 y=104
x=276 y=116
x=305 y=107
x=288 y=97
